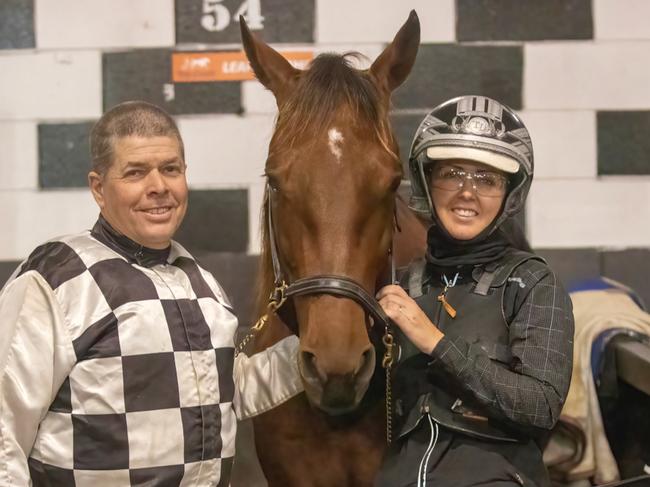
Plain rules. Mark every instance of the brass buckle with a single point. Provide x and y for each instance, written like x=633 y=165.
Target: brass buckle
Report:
x=278 y=296
x=387 y=340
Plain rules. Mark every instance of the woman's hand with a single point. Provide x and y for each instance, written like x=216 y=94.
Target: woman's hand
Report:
x=409 y=317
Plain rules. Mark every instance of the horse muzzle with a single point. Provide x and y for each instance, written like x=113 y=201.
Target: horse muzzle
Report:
x=336 y=393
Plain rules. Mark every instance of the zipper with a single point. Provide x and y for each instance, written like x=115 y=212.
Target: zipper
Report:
x=424 y=462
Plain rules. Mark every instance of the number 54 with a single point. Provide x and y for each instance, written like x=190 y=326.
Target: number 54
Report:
x=216 y=16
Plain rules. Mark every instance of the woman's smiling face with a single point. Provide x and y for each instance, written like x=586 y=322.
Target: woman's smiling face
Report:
x=463 y=211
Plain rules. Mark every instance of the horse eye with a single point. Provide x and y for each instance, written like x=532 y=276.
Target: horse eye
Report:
x=272 y=183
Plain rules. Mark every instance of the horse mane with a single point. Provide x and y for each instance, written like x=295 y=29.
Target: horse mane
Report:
x=330 y=83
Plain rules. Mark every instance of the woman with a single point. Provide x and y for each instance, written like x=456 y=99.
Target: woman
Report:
x=485 y=329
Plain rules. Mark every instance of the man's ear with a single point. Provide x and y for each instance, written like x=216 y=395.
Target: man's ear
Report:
x=96 y=184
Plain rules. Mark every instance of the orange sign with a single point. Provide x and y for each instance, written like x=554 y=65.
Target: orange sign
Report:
x=194 y=67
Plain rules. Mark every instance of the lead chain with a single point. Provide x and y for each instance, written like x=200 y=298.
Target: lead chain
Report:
x=387 y=363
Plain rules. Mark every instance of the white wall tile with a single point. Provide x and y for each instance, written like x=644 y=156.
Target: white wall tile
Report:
x=379 y=20
x=564 y=143
x=19 y=155
x=586 y=75
x=225 y=150
x=621 y=19
x=610 y=212
x=255 y=98
x=98 y=23
x=30 y=218
x=55 y=85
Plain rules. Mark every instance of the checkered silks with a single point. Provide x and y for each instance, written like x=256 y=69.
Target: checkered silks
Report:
x=149 y=398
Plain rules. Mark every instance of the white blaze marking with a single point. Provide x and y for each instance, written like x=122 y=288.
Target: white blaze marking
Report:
x=335 y=142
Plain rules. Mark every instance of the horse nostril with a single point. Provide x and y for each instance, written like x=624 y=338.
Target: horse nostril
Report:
x=366 y=364
x=310 y=367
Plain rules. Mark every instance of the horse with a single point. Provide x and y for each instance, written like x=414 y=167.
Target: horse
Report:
x=328 y=231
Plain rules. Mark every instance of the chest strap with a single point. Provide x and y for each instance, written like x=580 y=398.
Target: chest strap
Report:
x=416 y=276
x=485 y=282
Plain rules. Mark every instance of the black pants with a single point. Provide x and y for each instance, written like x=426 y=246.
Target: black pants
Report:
x=459 y=461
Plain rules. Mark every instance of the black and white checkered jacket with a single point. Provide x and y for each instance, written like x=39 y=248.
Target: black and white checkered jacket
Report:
x=116 y=368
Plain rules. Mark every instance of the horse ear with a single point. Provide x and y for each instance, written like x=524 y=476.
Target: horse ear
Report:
x=393 y=65
x=271 y=69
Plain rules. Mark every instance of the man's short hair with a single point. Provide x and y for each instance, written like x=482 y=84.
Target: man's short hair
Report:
x=131 y=118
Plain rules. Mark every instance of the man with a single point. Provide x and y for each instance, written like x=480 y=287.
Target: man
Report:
x=116 y=348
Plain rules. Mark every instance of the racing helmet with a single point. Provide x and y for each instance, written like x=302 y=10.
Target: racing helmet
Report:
x=474 y=128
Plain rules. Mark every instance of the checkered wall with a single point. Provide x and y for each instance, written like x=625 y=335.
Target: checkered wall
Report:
x=575 y=69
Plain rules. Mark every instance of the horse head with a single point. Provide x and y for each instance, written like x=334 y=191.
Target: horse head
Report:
x=332 y=171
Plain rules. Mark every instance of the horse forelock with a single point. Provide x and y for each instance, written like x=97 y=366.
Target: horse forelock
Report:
x=329 y=85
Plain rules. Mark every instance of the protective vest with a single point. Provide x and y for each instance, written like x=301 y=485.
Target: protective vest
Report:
x=478 y=300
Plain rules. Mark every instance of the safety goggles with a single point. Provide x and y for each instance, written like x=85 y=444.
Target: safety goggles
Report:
x=450 y=178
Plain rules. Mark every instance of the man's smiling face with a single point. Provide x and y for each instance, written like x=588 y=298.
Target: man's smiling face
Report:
x=143 y=193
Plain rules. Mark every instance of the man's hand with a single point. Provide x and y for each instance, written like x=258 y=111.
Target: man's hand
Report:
x=409 y=317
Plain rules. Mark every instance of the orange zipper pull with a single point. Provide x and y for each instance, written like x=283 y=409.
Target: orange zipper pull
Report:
x=445 y=304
